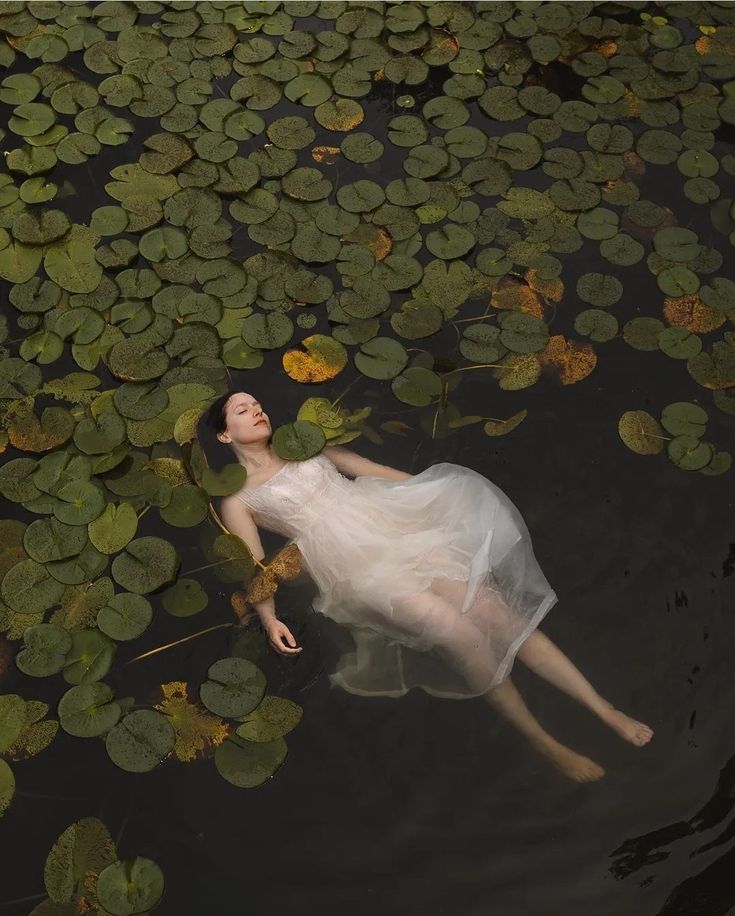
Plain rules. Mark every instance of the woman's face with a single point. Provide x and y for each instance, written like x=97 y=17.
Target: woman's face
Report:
x=246 y=421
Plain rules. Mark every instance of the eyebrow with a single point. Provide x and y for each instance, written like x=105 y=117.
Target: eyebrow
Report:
x=243 y=404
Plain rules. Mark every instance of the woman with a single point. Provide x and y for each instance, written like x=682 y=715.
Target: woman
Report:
x=433 y=574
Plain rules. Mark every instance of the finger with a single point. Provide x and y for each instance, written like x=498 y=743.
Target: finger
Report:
x=286 y=650
x=286 y=635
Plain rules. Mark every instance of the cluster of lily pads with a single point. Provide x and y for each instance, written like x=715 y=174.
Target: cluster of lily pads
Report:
x=374 y=174
x=83 y=873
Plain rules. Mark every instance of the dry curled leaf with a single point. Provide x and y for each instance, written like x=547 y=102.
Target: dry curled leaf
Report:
x=285 y=565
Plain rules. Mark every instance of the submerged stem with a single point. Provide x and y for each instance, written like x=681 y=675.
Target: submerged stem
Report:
x=177 y=642
x=23 y=899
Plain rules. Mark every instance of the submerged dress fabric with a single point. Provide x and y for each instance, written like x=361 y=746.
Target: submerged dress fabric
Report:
x=434 y=575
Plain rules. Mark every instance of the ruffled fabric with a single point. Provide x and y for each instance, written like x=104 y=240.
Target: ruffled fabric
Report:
x=434 y=575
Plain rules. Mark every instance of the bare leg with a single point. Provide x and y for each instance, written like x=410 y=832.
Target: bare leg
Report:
x=543 y=657
x=511 y=704
x=547 y=660
x=462 y=645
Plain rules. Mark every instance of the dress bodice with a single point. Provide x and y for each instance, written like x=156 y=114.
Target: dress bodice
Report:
x=298 y=496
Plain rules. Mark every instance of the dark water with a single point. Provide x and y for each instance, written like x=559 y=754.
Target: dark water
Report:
x=438 y=805
x=423 y=805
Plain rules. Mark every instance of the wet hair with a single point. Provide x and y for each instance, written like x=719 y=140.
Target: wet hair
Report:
x=213 y=421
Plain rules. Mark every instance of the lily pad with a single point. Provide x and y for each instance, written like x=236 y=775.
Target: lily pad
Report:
x=88 y=710
x=248 y=764
x=113 y=528
x=140 y=740
x=125 y=616
x=235 y=686
x=145 y=565
x=90 y=656
x=184 y=598
x=45 y=647
x=130 y=886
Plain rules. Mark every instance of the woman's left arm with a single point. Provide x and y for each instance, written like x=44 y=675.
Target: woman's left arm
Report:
x=350 y=464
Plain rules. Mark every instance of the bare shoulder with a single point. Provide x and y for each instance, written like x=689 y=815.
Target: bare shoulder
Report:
x=348 y=462
x=232 y=505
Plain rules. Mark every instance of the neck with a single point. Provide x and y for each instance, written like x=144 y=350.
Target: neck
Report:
x=256 y=455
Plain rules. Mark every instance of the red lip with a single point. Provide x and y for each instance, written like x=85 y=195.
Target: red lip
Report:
x=259 y=422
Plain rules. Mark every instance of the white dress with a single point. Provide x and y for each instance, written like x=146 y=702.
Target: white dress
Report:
x=434 y=575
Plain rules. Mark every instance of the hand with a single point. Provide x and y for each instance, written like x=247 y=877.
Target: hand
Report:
x=281 y=638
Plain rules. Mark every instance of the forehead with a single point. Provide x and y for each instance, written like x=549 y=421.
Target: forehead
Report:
x=240 y=397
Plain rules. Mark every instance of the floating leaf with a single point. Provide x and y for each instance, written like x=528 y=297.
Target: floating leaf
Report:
x=79 y=502
x=49 y=539
x=45 y=647
x=248 y=764
x=90 y=656
x=145 y=565
x=641 y=432
x=227 y=480
x=12 y=719
x=7 y=787
x=125 y=616
x=197 y=731
x=79 y=853
x=323 y=359
x=273 y=718
x=184 y=598
x=234 y=687
x=88 y=710
x=140 y=740
x=131 y=886
x=30 y=434
x=189 y=505
x=113 y=528
x=28 y=588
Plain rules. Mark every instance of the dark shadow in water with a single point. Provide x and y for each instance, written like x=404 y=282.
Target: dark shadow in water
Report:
x=711 y=891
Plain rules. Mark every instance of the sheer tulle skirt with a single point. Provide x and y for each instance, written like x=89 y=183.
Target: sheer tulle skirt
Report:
x=434 y=576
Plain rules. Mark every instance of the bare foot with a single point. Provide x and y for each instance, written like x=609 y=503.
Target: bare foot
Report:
x=572 y=764
x=630 y=729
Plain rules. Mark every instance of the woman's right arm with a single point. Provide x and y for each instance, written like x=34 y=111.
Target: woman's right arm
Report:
x=239 y=521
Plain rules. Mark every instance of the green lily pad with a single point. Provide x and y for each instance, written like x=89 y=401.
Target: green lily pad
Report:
x=677 y=244
x=689 y=453
x=234 y=687
x=189 y=505
x=90 y=656
x=125 y=616
x=113 y=528
x=273 y=718
x=140 y=740
x=677 y=281
x=44 y=651
x=130 y=886
x=682 y=418
x=145 y=565
x=88 y=710
x=450 y=242
x=12 y=719
x=79 y=502
x=48 y=539
x=184 y=598
x=248 y=764
x=229 y=479
x=381 y=358
x=29 y=589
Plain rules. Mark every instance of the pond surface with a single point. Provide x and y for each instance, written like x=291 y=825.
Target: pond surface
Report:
x=419 y=804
